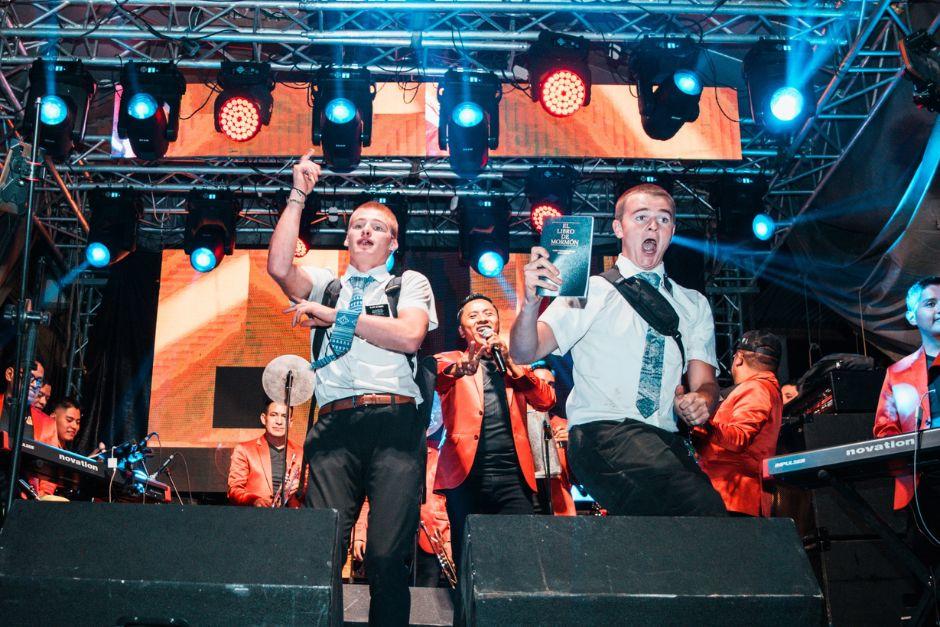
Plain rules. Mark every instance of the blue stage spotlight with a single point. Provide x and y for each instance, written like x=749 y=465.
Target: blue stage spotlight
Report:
x=340 y=111
x=484 y=234
x=202 y=259
x=112 y=233
x=65 y=90
x=688 y=82
x=468 y=126
x=778 y=102
x=210 y=228
x=342 y=115
x=490 y=264
x=53 y=110
x=150 y=107
x=763 y=226
x=142 y=106
x=467 y=114
x=98 y=255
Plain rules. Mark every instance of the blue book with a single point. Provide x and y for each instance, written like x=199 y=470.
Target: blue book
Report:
x=568 y=240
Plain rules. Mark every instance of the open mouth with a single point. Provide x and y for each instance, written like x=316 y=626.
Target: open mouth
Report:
x=366 y=243
x=649 y=246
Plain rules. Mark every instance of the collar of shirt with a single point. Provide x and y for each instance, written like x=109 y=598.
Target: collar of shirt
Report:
x=628 y=268
x=763 y=374
x=379 y=273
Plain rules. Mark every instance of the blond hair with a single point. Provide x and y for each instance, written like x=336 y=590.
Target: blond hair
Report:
x=644 y=188
x=388 y=213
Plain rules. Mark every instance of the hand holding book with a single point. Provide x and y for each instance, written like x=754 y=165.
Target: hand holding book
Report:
x=539 y=274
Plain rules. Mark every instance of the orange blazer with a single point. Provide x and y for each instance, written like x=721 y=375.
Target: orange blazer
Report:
x=433 y=512
x=903 y=392
x=734 y=443
x=462 y=407
x=249 y=476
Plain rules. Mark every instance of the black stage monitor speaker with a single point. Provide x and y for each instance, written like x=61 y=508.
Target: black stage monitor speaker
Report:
x=100 y=564
x=539 y=570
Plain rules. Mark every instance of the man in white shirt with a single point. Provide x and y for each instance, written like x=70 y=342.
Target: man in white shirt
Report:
x=622 y=412
x=368 y=440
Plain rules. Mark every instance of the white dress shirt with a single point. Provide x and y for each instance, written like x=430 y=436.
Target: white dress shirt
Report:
x=607 y=338
x=367 y=368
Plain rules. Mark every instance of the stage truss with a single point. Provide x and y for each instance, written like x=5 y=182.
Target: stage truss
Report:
x=855 y=45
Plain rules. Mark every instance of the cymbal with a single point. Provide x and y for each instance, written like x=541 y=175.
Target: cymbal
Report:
x=275 y=376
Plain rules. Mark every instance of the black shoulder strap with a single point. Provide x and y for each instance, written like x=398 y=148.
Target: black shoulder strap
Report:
x=649 y=304
x=330 y=296
x=392 y=292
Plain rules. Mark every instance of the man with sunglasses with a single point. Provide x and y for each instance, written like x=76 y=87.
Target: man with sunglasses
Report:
x=733 y=443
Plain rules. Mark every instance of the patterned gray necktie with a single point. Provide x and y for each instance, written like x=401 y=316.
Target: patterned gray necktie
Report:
x=651 y=372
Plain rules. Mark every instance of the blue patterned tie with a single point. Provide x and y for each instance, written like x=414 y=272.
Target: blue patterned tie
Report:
x=651 y=373
x=344 y=327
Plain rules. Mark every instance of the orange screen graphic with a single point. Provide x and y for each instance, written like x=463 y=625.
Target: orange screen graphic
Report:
x=230 y=321
x=405 y=120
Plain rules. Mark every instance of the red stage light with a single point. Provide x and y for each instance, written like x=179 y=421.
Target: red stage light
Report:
x=239 y=118
x=562 y=92
x=543 y=210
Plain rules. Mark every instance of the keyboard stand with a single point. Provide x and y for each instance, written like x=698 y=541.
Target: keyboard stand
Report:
x=896 y=549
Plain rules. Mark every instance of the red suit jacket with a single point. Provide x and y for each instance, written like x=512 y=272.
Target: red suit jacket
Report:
x=462 y=406
x=734 y=443
x=903 y=391
x=433 y=512
x=249 y=476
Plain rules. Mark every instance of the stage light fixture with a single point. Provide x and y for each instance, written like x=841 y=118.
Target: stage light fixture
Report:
x=763 y=226
x=559 y=76
x=65 y=90
x=921 y=55
x=246 y=103
x=150 y=107
x=210 y=227
x=779 y=100
x=112 y=233
x=484 y=234
x=549 y=190
x=669 y=84
x=737 y=199
x=469 y=119
x=342 y=115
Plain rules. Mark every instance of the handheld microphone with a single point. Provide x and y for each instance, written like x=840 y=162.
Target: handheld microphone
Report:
x=495 y=350
x=163 y=466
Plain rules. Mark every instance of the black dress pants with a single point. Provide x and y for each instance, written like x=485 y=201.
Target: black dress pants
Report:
x=634 y=469
x=374 y=451
x=487 y=494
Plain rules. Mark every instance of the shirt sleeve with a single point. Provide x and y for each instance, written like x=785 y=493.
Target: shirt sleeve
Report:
x=700 y=343
x=416 y=292
x=570 y=318
x=319 y=279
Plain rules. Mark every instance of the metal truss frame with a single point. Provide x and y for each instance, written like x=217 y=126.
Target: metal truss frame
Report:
x=855 y=41
x=870 y=70
x=85 y=299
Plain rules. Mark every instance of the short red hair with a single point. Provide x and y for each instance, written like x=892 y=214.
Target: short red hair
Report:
x=388 y=213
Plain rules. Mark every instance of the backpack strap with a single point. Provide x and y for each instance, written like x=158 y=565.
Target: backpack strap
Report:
x=330 y=297
x=649 y=304
x=392 y=292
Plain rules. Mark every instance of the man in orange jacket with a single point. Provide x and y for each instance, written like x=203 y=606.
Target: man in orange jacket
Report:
x=733 y=443
x=259 y=466
x=485 y=465
x=911 y=392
